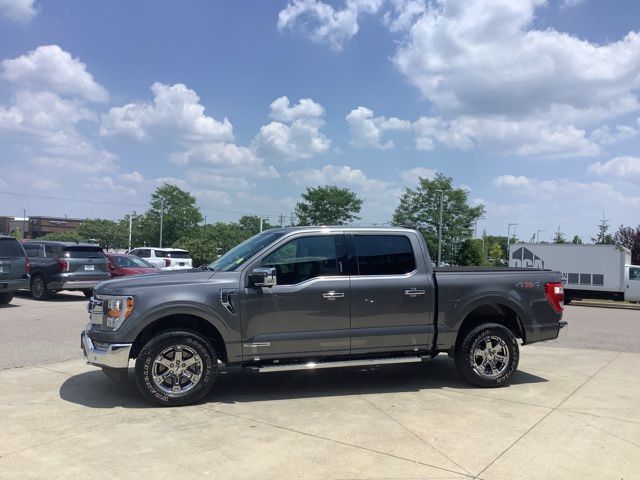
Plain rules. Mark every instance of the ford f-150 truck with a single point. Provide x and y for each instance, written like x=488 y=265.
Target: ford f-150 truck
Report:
x=317 y=297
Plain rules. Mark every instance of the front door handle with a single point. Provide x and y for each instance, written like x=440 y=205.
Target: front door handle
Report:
x=414 y=292
x=332 y=295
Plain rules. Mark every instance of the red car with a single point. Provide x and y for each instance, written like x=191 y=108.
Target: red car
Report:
x=121 y=264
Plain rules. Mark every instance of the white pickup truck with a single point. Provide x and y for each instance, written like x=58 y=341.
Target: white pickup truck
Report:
x=164 y=258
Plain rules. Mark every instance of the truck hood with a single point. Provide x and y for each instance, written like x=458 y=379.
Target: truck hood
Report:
x=125 y=285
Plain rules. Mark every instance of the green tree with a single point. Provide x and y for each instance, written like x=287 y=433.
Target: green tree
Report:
x=629 y=237
x=496 y=254
x=576 y=240
x=251 y=224
x=470 y=253
x=328 y=205
x=602 y=237
x=107 y=233
x=559 y=237
x=63 y=237
x=181 y=216
x=420 y=208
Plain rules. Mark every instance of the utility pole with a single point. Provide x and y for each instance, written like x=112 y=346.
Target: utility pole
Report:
x=509 y=236
x=291 y=224
x=538 y=236
x=281 y=220
x=130 y=228
x=161 y=219
x=24 y=223
x=440 y=227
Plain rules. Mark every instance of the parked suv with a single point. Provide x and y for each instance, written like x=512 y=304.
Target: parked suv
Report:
x=59 y=266
x=165 y=258
x=14 y=268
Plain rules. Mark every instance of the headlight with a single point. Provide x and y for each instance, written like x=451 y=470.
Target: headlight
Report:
x=118 y=310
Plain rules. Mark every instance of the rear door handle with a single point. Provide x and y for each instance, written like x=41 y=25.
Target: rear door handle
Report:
x=414 y=292
x=332 y=295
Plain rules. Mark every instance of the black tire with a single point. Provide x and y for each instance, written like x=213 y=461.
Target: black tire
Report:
x=567 y=300
x=39 y=290
x=6 y=298
x=495 y=369
x=159 y=348
x=88 y=292
x=116 y=375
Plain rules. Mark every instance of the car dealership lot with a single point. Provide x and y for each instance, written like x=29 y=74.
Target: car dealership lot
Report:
x=571 y=412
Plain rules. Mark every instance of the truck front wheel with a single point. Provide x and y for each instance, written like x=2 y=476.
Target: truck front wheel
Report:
x=488 y=355
x=176 y=367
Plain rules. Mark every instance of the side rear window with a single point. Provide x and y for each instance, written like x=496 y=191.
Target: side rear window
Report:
x=10 y=248
x=34 y=250
x=83 y=252
x=384 y=254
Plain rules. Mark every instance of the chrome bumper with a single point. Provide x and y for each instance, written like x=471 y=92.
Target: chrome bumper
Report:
x=78 y=284
x=113 y=355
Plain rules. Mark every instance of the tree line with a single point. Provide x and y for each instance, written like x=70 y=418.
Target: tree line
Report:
x=419 y=207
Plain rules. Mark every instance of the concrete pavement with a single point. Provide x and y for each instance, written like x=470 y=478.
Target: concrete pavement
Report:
x=570 y=413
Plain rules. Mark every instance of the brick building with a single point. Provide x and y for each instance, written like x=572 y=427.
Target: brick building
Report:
x=38 y=226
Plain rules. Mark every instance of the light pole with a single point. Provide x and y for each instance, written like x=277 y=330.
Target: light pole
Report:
x=261 y=221
x=441 y=192
x=538 y=236
x=24 y=223
x=130 y=229
x=161 y=219
x=509 y=236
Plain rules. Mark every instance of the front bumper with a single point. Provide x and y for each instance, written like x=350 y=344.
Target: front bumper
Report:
x=112 y=355
x=74 y=284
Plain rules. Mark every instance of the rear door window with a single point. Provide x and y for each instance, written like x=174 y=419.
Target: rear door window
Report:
x=10 y=248
x=165 y=254
x=384 y=254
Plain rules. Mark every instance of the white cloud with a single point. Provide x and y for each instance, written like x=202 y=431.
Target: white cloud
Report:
x=605 y=135
x=204 y=178
x=501 y=134
x=227 y=157
x=326 y=24
x=623 y=167
x=339 y=175
x=300 y=139
x=366 y=130
x=21 y=11
x=108 y=184
x=403 y=14
x=570 y=3
x=410 y=177
x=512 y=181
x=305 y=108
x=133 y=177
x=176 y=112
x=53 y=69
x=483 y=57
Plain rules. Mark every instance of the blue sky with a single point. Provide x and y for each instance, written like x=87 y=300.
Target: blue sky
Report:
x=531 y=105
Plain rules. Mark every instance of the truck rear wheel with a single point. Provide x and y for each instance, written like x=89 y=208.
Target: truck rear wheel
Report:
x=176 y=367
x=488 y=355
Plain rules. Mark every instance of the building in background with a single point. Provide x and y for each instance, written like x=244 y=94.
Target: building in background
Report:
x=38 y=226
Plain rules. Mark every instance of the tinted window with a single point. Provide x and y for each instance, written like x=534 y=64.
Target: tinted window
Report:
x=130 y=261
x=10 y=248
x=143 y=253
x=83 y=252
x=634 y=274
x=384 y=254
x=244 y=251
x=304 y=258
x=165 y=254
x=33 y=250
x=52 y=250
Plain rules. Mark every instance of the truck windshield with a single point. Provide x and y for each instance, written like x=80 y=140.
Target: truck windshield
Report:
x=244 y=251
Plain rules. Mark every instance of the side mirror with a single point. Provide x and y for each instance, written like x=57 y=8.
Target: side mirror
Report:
x=264 y=277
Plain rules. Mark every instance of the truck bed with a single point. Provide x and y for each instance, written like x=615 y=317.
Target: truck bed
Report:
x=486 y=269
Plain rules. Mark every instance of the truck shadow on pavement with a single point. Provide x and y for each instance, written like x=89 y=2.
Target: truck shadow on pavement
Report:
x=94 y=390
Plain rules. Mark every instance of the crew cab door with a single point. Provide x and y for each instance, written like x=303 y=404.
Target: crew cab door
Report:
x=391 y=293
x=307 y=312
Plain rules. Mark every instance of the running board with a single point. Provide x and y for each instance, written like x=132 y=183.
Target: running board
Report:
x=336 y=364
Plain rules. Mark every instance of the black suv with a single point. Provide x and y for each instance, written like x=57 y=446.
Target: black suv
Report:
x=14 y=268
x=59 y=266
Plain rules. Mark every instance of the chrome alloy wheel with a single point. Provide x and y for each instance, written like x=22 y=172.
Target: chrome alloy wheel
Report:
x=177 y=370
x=490 y=357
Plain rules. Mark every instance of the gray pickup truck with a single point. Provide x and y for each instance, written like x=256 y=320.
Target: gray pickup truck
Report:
x=317 y=297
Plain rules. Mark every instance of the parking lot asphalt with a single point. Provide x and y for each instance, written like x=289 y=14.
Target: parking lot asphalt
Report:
x=569 y=413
